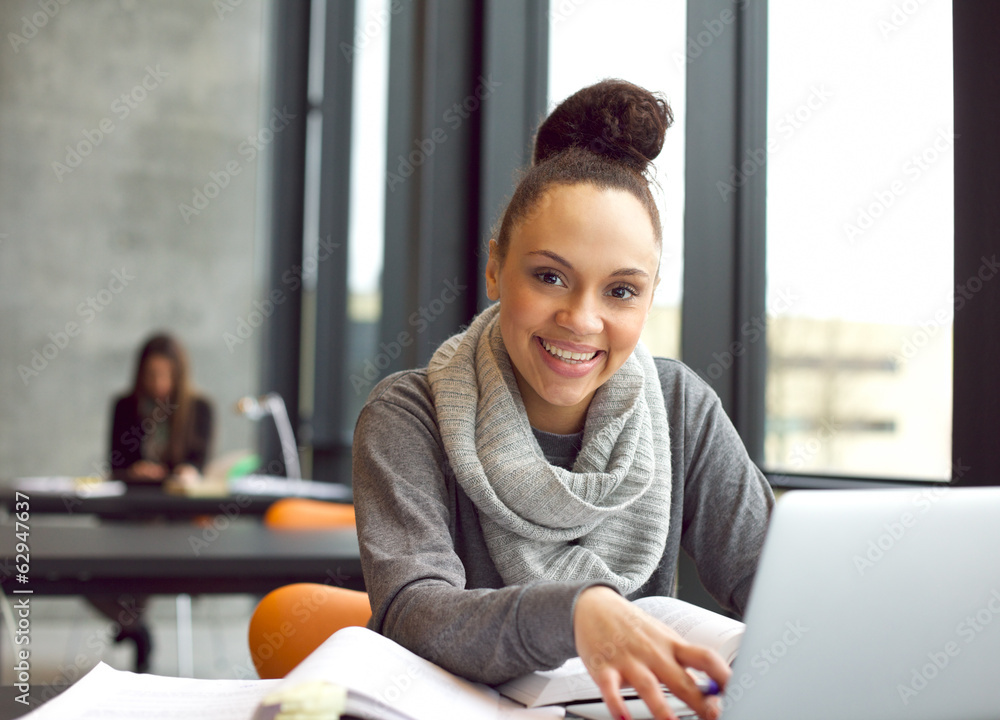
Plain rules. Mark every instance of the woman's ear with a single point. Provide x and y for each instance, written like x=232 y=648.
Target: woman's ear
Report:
x=493 y=273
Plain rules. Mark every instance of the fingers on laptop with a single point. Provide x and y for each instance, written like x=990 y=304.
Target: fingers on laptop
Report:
x=650 y=690
x=647 y=669
x=683 y=685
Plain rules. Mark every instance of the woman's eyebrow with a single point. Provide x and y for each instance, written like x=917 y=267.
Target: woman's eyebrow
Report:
x=621 y=272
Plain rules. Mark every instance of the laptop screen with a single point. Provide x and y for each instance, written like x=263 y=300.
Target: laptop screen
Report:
x=874 y=604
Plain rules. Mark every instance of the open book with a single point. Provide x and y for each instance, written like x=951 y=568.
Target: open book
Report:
x=571 y=682
x=355 y=672
x=105 y=693
x=359 y=673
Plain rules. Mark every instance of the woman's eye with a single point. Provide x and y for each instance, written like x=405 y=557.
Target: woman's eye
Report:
x=549 y=278
x=624 y=292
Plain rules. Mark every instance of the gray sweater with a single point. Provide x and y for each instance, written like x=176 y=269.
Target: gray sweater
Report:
x=432 y=585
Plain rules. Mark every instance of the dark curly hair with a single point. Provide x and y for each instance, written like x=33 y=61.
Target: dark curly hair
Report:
x=605 y=135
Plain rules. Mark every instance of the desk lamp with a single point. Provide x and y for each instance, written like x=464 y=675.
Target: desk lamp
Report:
x=272 y=404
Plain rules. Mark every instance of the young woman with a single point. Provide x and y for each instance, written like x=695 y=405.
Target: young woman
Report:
x=160 y=432
x=544 y=468
x=161 y=428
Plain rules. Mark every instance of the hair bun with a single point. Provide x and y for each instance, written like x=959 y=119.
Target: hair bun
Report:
x=614 y=118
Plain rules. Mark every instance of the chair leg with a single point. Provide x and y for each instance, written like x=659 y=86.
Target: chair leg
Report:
x=185 y=637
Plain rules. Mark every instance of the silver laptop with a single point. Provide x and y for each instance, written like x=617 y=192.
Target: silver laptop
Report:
x=874 y=604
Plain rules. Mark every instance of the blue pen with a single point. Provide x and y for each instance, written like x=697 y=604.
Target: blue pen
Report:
x=708 y=686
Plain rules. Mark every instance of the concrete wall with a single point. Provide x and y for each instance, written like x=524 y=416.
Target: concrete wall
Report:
x=151 y=97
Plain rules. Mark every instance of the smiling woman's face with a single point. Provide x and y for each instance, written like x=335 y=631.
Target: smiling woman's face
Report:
x=575 y=289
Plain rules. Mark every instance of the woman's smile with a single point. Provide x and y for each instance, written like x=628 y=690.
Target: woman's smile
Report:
x=571 y=362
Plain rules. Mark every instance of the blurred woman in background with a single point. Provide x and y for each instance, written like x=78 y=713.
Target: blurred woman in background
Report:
x=162 y=428
x=160 y=434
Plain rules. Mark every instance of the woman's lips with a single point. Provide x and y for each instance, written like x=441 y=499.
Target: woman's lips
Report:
x=569 y=347
x=572 y=368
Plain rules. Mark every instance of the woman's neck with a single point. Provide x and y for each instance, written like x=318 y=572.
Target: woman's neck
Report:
x=544 y=416
x=551 y=420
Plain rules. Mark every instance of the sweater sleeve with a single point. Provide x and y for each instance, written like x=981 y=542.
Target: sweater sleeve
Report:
x=727 y=499
x=416 y=580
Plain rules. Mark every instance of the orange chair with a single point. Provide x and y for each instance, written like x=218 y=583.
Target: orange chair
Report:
x=292 y=621
x=305 y=514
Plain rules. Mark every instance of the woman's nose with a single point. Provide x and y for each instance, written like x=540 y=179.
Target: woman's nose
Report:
x=581 y=316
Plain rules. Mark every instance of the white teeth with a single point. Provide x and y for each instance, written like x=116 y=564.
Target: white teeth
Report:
x=567 y=355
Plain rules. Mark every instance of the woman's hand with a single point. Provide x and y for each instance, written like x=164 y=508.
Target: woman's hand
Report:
x=622 y=645
x=146 y=470
x=185 y=480
x=187 y=475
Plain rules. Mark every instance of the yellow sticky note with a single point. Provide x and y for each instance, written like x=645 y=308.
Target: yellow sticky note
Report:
x=314 y=700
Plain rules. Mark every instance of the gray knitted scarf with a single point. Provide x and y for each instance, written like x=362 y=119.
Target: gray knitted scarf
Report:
x=607 y=518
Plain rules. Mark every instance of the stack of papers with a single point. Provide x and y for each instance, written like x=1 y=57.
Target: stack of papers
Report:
x=81 y=486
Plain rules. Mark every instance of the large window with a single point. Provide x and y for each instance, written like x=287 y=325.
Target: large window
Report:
x=591 y=41
x=860 y=238
x=807 y=202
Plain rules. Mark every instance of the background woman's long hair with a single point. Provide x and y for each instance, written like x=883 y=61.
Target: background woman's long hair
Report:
x=181 y=397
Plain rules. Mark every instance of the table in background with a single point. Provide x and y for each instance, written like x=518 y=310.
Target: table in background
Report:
x=183 y=560
x=139 y=502
x=171 y=559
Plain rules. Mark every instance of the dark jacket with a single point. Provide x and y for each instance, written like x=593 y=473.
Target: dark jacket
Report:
x=127 y=432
